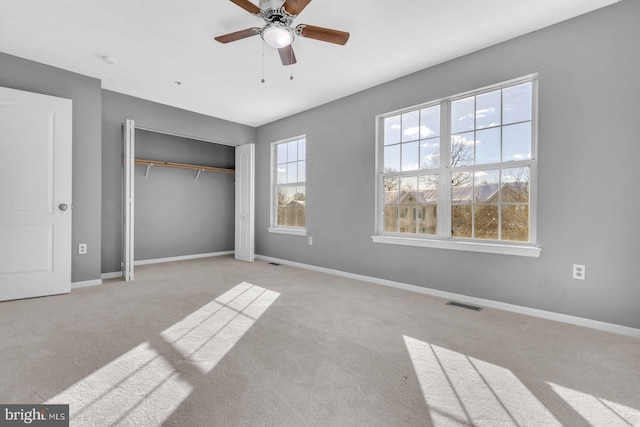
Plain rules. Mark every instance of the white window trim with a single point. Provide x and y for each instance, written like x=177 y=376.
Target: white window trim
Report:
x=440 y=241
x=461 y=245
x=273 y=228
x=288 y=230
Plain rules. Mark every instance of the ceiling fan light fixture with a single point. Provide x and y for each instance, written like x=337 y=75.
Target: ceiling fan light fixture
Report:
x=277 y=36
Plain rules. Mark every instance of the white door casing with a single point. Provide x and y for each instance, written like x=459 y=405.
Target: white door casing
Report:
x=35 y=194
x=245 y=191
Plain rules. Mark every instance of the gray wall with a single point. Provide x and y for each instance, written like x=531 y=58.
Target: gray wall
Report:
x=116 y=108
x=174 y=214
x=588 y=205
x=85 y=92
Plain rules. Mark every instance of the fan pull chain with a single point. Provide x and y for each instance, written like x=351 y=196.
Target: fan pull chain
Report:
x=262 y=44
x=291 y=62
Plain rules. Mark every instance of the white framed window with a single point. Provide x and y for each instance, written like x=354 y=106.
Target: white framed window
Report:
x=460 y=172
x=288 y=186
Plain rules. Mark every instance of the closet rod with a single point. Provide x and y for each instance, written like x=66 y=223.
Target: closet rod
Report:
x=183 y=166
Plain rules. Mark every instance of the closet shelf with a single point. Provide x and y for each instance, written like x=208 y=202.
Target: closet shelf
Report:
x=183 y=166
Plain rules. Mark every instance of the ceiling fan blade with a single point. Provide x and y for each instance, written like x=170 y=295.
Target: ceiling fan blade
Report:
x=287 y=56
x=247 y=5
x=322 y=34
x=238 y=35
x=294 y=7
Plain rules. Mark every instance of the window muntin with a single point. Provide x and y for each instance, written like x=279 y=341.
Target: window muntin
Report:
x=483 y=190
x=289 y=188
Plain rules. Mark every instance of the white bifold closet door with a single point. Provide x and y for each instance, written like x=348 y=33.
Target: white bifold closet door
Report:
x=245 y=193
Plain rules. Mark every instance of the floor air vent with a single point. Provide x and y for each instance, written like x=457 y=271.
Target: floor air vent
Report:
x=462 y=305
x=274 y=263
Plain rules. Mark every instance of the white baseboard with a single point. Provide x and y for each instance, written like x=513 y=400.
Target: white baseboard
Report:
x=565 y=318
x=181 y=258
x=118 y=274
x=78 y=285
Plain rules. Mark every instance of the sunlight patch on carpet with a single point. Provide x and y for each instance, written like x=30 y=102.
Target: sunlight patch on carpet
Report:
x=138 y=388
x=598 y=411
x=459 y=389
x=205 y=336
x=142 y=387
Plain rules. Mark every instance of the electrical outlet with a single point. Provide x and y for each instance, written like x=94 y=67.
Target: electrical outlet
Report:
x=579 y=271
x=82 y=248
x=310 y=241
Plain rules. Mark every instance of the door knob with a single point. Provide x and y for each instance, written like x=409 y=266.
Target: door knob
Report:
x=63 y=206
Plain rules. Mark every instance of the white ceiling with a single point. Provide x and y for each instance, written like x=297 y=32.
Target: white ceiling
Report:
x=159 y=42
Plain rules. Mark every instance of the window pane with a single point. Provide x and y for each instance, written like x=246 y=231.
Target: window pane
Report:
x=461 y=221
x=282 y=153
x=462 y=115
x=409 y=184
x=488 y=110
x=486 y=222
x=462 y=149
x=300 y=194
x=290 y=216
x=430 y=153
x=515 y=185
x=392 y=130
x=282 y=174
x=302 y=149
x=292 y=172
x=391 y=218
x=300 y=216
x=406 y=222
x=411 y=126
x=427 y=219
x=410 y=156
x=488 y=146
x=392 y=158
x=283 y=199
x=390 y=190
x=515 y=223
x=516 y=142
x=292 y=151
x=428 y=189
x=302 y=171
x=281 y=215
x=516 y=105
x=486 y=186
x=461 y=187
x=430 y=122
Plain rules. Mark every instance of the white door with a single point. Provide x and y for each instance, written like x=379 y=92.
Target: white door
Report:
x=35 y=195
x=128 y=199
x=244 y=202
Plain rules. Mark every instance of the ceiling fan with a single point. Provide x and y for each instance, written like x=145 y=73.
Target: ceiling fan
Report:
x=277 y=32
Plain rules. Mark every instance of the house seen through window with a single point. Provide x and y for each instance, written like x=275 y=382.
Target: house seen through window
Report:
x=460 y=168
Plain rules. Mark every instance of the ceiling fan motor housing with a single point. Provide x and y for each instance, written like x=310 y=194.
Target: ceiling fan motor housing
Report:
x=272 y=11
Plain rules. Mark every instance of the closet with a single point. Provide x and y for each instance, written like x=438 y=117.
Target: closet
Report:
x=183 y=198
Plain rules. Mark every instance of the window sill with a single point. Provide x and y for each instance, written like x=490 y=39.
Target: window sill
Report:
x=491 y=248
x=292 y=231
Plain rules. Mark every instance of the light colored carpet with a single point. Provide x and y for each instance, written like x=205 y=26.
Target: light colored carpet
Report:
x=216 y=342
